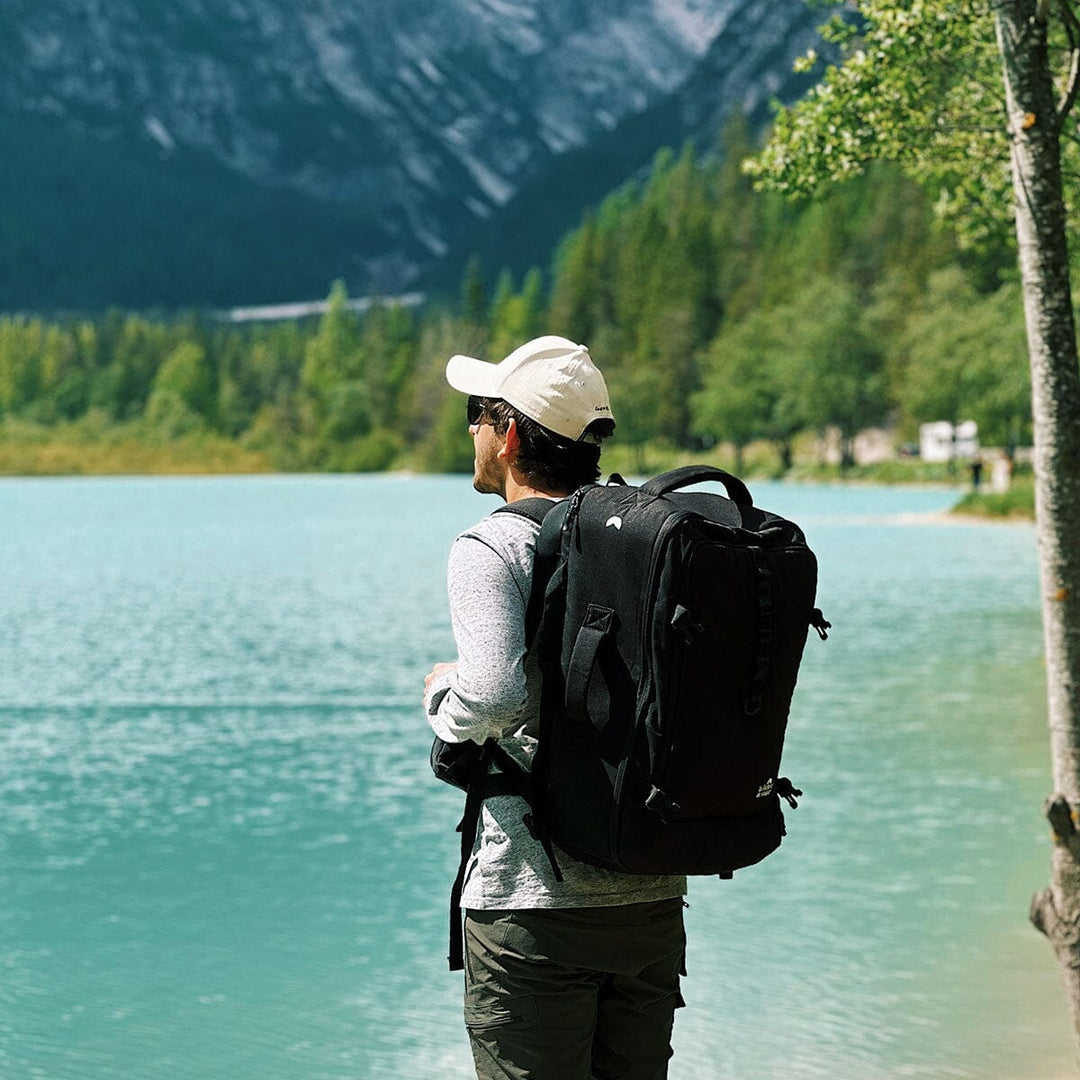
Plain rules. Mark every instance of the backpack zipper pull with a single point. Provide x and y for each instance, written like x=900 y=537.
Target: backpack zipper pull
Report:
x=684 y=622
x=787 y=791
x=570 y=521
x=818 y=622
x=663 y=805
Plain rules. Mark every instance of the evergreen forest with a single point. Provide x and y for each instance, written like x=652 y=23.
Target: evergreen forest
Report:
x=727 y=321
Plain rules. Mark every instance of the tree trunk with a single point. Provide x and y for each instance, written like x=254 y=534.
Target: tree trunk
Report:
x=784 y=449
x=847 y=451
x=1055 y=380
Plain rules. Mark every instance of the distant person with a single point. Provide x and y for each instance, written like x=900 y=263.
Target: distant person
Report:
x=563 y=980
x=976 y=473
x=1001 y=474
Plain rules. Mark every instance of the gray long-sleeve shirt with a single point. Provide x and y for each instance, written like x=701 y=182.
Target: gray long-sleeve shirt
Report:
x=494 y=692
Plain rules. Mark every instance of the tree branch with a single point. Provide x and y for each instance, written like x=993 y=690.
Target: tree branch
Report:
x=1060 y=815
x=1042 y=914
x=1072 y=85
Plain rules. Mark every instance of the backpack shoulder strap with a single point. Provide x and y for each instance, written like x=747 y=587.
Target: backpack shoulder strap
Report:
x=535 y=509
x=467 y=826
x=550 y=516
x=545 y=563
x=511 y=779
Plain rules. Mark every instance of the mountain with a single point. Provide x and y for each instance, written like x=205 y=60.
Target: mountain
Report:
x=182 y=152
x=747 y=67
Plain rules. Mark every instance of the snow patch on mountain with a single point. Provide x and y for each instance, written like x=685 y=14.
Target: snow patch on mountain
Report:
x=159 y=133
x=695 y=22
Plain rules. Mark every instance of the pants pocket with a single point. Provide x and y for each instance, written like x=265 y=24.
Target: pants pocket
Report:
x=519 y=1012
x=508 y=1042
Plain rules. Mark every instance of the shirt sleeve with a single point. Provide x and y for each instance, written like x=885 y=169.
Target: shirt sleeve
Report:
x=484 y=696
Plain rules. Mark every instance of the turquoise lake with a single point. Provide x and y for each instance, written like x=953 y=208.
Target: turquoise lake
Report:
x=222 y=854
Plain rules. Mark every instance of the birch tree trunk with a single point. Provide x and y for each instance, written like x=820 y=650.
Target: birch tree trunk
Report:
x=1035 y=119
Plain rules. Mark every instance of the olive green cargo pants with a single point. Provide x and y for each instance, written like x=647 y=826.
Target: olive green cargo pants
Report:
x=573 y=994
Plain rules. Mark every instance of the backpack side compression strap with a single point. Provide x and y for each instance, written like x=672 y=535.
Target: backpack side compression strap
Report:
x=595 y=630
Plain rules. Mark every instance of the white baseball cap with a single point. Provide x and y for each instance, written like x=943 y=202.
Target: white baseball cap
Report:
x=549 y=379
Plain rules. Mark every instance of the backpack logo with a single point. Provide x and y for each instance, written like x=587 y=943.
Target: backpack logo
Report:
x=765 y=790
x=615 y=522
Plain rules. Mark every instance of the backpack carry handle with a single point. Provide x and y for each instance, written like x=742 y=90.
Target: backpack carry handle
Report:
x=737 y=491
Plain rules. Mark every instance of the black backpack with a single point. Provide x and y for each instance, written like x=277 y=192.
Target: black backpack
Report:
x=670 y=627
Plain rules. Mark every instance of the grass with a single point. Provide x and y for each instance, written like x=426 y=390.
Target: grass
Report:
x=894 y=471
x=1016 y=504
x=182 y=458
x=86 y=448
x=761 y=462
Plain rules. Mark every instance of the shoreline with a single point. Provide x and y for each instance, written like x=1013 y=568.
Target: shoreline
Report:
x=220 y=457
x=952 y=517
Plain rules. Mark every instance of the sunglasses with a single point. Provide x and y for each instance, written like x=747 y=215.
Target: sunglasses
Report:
x=477 y=409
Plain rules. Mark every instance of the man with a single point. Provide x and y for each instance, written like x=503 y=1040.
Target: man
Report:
x=571 y=979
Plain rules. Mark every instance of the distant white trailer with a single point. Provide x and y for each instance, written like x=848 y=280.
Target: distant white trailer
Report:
x=943 y=441
x=966 y=439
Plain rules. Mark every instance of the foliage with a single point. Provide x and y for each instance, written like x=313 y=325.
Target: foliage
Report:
x=752 y=390
x=920 y=85
x=724 y=319
x=964 y=356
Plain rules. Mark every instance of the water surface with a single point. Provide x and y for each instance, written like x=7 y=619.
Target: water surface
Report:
x=222 y=855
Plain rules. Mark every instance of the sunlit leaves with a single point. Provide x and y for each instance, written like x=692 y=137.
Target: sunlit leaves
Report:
x=920 y=84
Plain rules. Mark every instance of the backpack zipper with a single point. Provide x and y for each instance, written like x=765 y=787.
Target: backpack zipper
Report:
x=674 y=668
x=637 y=730
x=645 y=638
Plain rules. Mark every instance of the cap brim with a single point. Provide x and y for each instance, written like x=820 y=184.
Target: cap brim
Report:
x=472 y=376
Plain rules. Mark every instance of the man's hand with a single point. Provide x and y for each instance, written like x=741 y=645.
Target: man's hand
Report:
x=434 y=673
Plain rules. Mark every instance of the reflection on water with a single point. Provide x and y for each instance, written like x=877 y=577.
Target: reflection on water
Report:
x=221 y=854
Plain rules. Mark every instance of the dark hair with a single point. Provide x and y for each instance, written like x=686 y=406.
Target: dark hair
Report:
x=556 y=462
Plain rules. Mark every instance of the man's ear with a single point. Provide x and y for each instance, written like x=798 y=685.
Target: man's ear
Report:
x=511 y=442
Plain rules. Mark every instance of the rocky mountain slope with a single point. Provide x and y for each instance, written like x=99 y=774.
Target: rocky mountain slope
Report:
x=187 y=152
